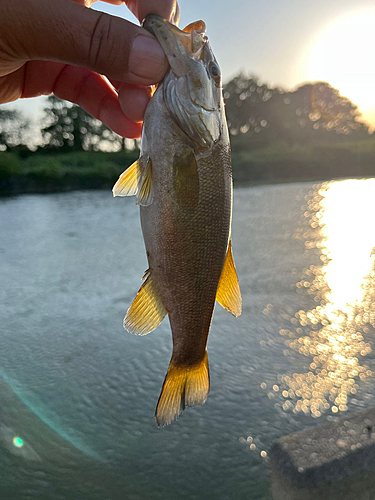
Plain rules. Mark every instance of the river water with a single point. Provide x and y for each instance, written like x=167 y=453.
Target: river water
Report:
x=78 y=393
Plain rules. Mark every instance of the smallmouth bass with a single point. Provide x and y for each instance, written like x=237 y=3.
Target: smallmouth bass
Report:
x=183 y=184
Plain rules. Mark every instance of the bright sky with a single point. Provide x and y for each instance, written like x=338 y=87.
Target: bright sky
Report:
x=286 y=43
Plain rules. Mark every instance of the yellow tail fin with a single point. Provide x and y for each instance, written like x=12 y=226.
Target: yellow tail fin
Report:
x=183 y=386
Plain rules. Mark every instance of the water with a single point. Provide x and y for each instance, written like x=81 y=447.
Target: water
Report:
x=78 y=393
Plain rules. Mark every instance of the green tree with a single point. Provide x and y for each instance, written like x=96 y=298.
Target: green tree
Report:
x=314 y=113
x=13 y=129
x=69 y=127
x=61 y=126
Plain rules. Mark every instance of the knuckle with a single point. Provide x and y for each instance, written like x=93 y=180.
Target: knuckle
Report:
x=101 y=42
x=10 y=87
x=102 y=111
x=80 y=88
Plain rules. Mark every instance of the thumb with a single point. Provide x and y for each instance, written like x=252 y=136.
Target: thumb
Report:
x=67 y=32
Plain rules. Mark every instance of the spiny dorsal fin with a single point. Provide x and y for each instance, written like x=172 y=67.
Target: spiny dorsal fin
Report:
x=228 y=292
x=127 y=184
x=183 y=386
x=145 y=190
x=147 y=310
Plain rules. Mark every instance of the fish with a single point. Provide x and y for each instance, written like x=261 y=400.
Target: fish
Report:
x=183 y=184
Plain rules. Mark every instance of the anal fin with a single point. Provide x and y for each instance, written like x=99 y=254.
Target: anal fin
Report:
x=183 y=386
x=147 y=310
x=228 y=292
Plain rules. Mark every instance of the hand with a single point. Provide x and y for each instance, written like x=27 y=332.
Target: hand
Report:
x=62 y=47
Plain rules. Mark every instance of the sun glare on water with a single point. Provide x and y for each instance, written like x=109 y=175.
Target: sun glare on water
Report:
x=335 y=334
x=346 y=217
x=342 y=55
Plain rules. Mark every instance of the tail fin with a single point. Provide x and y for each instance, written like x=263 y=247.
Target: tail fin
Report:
x=183 y=386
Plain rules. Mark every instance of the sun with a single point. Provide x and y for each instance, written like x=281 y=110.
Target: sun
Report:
x=342 y=55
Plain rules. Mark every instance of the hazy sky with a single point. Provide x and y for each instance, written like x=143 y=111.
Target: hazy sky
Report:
x=287 y=42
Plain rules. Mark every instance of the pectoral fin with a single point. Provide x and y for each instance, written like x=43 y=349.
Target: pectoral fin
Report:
x=127 y=184
x=136 y=180
x=145 y=190
x=228 y=292
x=147 y=310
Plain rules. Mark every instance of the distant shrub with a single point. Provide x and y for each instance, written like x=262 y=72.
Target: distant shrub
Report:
x=46 y=167
x=358 y=147
x=85 y=160
x=10 y=165
x=107 y=170
x=278 y=153
x=81 y=159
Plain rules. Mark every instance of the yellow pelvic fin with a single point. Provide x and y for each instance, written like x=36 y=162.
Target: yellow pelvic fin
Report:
x=145 y=191
x=183 y=386
x=228 y=292
x=127 y=184
x=147 y=310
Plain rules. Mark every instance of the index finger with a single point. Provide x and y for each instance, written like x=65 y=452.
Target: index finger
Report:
x=165 y=8
x=140 y=8
x=88 y=3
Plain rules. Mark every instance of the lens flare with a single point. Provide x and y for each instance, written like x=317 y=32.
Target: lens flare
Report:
x=18 y=442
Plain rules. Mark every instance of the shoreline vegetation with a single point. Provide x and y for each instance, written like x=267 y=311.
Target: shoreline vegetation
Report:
x=309 y=134
x=279 y=162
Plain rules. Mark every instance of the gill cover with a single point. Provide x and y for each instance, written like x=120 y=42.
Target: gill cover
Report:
x=192 y=87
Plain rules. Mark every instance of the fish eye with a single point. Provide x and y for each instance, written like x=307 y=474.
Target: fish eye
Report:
x=214 y=70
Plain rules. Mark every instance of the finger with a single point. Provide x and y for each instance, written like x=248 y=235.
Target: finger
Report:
x=11 y=85
x=92 y=92
x=114 y=2
x=80 y=86
x=67 y=32
x=176 y=15
x=88 y=3
x=165 y=8
x=115 y=84
x=134 y=100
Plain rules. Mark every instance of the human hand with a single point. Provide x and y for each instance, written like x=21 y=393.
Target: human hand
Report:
x=62 y=47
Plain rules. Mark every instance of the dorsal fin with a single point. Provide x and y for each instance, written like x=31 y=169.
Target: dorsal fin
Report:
x=147 y=310
x=228 y=291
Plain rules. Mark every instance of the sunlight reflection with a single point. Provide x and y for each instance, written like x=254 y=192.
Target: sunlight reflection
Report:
x=348 y=239
x=332 y=334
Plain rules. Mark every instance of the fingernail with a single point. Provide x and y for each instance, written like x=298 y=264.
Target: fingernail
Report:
x=147 y=58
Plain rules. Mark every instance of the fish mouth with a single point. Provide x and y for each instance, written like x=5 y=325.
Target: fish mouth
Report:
x=178 y=45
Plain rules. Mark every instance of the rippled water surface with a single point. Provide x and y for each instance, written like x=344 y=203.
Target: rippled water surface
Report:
x=78 y=393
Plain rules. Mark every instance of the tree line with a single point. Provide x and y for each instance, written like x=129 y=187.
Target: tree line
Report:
x=63 y=128
x=313 y=114
x=311 y=133
x=258 y=116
